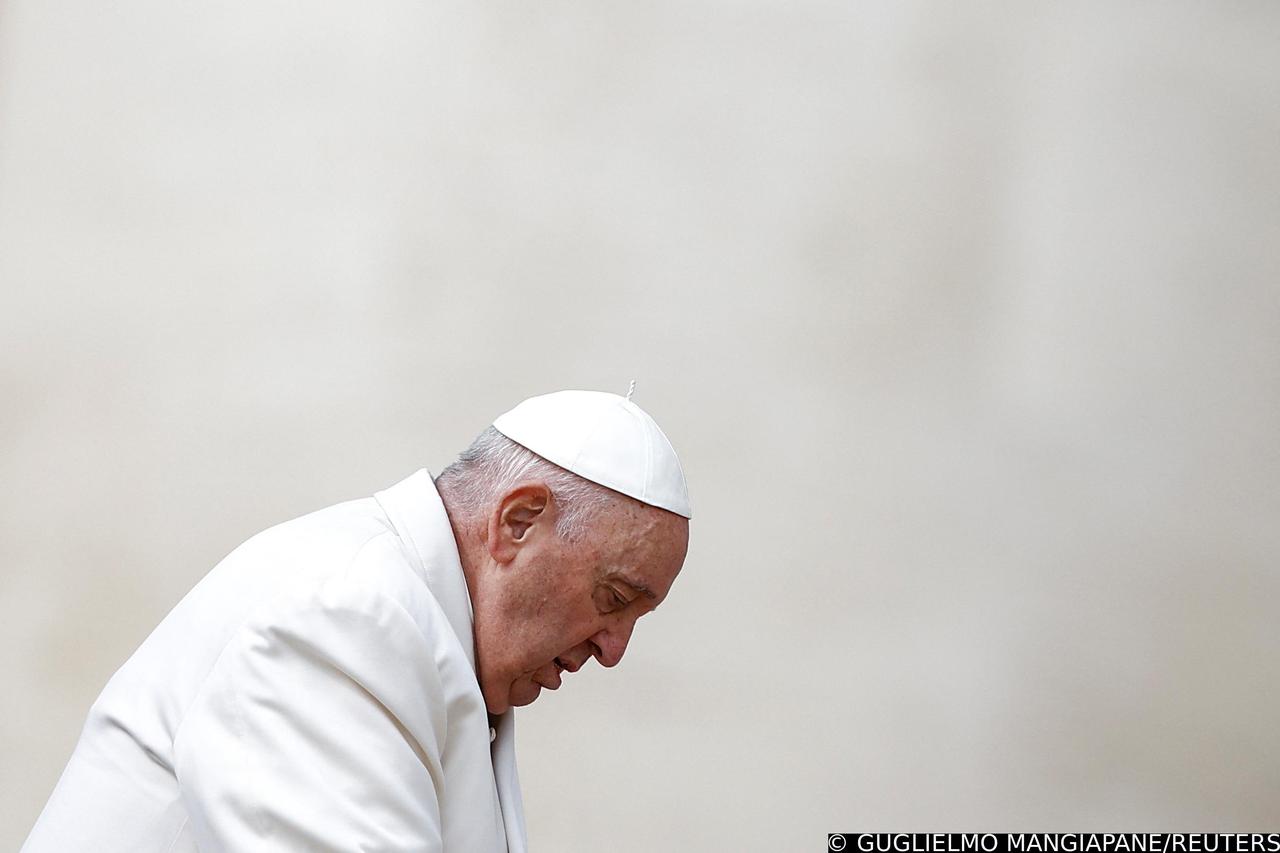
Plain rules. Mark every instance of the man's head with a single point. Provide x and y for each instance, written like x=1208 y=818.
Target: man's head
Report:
x=559 y=568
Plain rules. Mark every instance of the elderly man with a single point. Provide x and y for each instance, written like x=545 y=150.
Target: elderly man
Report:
x=344 y=681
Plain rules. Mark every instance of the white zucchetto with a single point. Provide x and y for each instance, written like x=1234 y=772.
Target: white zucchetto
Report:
x=604 y=438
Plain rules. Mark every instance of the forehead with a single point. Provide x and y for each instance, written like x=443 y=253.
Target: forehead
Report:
x=644 y=546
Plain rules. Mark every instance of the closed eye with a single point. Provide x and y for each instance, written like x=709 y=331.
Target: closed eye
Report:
x=609 y=599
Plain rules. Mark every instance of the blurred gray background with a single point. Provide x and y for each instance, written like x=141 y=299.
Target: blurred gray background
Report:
x=964 y=318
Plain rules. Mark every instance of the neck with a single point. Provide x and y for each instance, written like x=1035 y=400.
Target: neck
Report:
x=469 y=541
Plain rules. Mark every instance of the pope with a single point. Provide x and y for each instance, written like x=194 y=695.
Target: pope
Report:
x=345 y=681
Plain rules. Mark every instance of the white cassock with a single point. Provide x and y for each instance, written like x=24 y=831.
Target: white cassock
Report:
x=315 y=691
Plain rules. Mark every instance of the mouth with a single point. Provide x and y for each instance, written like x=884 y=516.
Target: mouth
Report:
x=549 y=676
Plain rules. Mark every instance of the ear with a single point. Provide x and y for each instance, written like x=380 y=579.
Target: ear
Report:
x=520 y=515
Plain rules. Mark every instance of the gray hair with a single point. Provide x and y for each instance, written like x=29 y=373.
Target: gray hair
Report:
x=494 y=463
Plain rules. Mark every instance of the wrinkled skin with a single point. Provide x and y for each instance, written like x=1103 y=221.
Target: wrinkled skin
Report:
x=543 y=605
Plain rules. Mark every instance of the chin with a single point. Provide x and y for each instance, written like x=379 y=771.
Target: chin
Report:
x=523 y=693
x=518 y=694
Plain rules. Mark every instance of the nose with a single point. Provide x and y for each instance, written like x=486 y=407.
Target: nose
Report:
x=611 y=643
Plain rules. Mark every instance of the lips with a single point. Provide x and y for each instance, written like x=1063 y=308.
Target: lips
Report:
x=549 y=676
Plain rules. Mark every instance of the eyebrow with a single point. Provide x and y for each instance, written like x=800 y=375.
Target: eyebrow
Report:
x=636 y=585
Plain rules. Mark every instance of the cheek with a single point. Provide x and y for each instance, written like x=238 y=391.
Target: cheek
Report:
x=560 y=634
x=547 y=620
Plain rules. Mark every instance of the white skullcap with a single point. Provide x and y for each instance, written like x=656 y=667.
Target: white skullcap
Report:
x=604 y=438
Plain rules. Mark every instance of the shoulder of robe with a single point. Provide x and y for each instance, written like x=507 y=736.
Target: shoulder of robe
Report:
x=324 y=648
x=369 y=621
x=379 y=579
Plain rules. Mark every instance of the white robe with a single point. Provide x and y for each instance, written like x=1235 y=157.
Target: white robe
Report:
x=315 y=691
